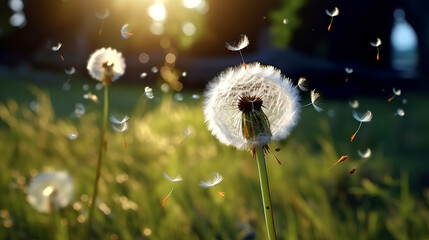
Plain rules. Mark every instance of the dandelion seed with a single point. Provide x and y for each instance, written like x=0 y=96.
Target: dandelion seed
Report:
x=314 y=99
x=302 y=84
x=332 y=14
x=115 y=120
x=79 y=110
x=125 y=33
x=244 y=42
x=400 y=112
x=72 y=136
x=143 y=75
x=396 y=92
x=102 y=16
x=195 y=96
x=176 y=179
x=186 y=133
x=57 y=49
x=49 y=191
x=120 y=127
x=217 y=178
x=179 y=97
x=348 y=71
x=376 y=44
x=354 y=104
x=236 y=85
x=365 y=154
x=366 y=117
x=106 y=65
x=91 y=97
x=342 y=159
x=148 y=92
x=70 y=72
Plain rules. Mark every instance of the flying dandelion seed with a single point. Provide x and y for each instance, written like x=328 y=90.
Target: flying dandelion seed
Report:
x=102 y=16
x=72 y=136
x=365 y=154
x=70 y=72
x=314 y=99
x=125 y=33
x=91 y=97
x=143 y=75
x=332 y=14
x=195 y=96
x=154 y=69
x=115 y=120
x=120 y=125
x=244 y=42
x=396 y=92
x=354 y=104
x=366 y=117
x=79 y=110
x=342 y=159
x=217 y=178
x=173 y=180
x=348 y=71
x=57 y=49
x=302 y=84
x=148 y=92
x=376 y=44
x=400 y=112
x=186 y=133
x=50 y=191
x=179 y=97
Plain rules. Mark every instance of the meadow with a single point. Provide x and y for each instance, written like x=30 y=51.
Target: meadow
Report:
x=384 y=198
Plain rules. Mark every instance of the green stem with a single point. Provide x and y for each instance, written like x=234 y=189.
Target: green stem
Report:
x=265 y=191
x=102 y=147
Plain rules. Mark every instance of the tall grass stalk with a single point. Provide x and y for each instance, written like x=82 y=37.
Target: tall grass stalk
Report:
x=102 y=147
x=265 y=191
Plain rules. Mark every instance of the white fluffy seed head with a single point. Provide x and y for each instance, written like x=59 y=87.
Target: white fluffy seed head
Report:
x=109 y=56
x=280 y=102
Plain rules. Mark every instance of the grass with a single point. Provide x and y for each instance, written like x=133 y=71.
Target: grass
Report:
x=384 y=199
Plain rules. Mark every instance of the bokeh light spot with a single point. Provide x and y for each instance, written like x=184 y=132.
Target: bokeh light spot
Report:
x=157 y=12
x=144 y=58
x=157 y=28
x=189 y=28
x=18 y=20
x=170 y=58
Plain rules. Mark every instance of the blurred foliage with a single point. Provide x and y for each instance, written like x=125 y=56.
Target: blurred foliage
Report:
x=376 y=202
x=285 y=19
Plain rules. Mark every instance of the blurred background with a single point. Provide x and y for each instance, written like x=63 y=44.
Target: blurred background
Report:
x=176 y=47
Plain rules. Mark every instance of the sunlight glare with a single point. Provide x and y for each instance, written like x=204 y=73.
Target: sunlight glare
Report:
x=157 y=12
x=191 y=3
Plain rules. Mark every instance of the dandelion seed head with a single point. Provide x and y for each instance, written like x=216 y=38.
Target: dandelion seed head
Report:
x=302 y=84
x=333 y=13
x=365 y=117
x=148 y=92
x=217 y=178
x=70 y=71
x=103 y=56
x=120 y=127
x=57 y=47
x=125 y=33
x=179 y=97
x=314 y=99
x=115 y=120
x=376 y=43
x=244 y=42
x=397 y=92
x=280 y=102
x=365 y=154
x=50 y=187
x=400 y=112
x=348 y=70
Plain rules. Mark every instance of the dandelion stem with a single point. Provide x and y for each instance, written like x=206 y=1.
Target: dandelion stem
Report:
x=265 y=191
x=101 y=149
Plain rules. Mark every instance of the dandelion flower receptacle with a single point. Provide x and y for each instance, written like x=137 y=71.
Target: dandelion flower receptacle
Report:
x=247 y=106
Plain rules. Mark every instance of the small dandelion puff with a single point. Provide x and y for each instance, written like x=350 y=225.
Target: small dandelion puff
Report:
x=148 y=92
x=361 y=118
x=184 y=74
x=365 y=154
x=173 y=180
x=260 y=91
x=217 y=178
x=125 y=33
x=57 y=49
x=302 y=84
x=91 y=97
x=49 y=191
x=143 y=75
x=342 y=159
x=106 y=65
x=354 y=104
x=314 y=96
x=400 y=112
x=72 y=136
x=102 y=16
x=376 y=44
x=244 y=42
x=195 y=96
x=332 y=14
